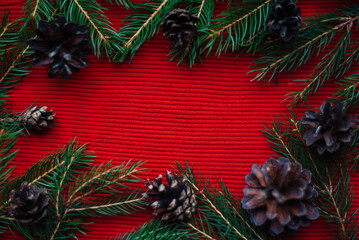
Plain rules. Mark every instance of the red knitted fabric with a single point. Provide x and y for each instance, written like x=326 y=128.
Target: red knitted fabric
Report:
x=210 y=115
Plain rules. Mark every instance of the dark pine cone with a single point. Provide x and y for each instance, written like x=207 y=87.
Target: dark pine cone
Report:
x=180 y=27
x=284 y=20
x=329 y=128
x=280 y=196
x=38 y=119
x=29 y=205
x=63 y=45
x=174 y=201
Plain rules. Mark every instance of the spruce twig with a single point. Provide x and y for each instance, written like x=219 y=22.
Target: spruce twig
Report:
x=142 y=25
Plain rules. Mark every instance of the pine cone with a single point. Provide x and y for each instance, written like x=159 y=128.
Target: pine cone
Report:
x=63 y=45
x=180 y=27
x=38 y=119
x=284 y=20
x=29 y=205
x=172 y=202
x=280 y=195
x=329 y=128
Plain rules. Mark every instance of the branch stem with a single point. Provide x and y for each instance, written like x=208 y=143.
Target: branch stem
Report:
x=130 y=41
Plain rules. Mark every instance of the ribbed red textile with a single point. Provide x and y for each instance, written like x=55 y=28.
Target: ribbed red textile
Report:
x=210 y=115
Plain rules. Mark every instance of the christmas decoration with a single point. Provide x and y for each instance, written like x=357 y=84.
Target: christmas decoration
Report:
x=38 y=119
x=63 y=45
x=29 y=204
x=180 y=27
x=284 y=20
x=280 y=195
x=241 y=27
x=329 y=128
x=175 y=201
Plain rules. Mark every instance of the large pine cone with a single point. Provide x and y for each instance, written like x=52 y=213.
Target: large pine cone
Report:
x=38 y=119
x=284 y=20
x=280 y=196
x=63 y=45
x=175 y=201
x=180 y=27
x=329 y=128
x=29 y=205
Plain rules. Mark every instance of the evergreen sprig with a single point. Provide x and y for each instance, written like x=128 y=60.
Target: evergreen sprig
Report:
x=237 y=25
x=348 y=91
x=126 y=3
x=142 y=25
x=103 y=37
x=76 y=190
x=330 y=175
x=223 y=217
x=320 y=30
x=155 y=229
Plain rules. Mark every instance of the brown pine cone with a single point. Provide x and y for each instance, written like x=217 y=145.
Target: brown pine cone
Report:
x=64 y=45
x=175 y=201
x=329 y=128
x=38 y=119
x=180 y=27
x=280 y=196
x=29 y=205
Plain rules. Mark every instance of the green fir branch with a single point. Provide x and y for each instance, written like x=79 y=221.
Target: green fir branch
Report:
x=142 y=25
x=235 y=26
x=324 y=70
x=103 y=37
x=125 y=204
x=156 y=229
x=36 y=10
x=319 y=32
x=348 y=91
x=126 y=3
x=76 y=190
x=335 y=193
x=219 y=209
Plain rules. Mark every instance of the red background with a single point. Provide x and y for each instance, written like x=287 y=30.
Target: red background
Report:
x=209 y=115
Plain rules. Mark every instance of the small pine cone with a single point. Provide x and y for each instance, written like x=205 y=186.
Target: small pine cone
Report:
x=29 y=204
x=280 y=196
x=180 y=27
x=175 y=201
x=284 y=20
x=63 y=45
x=38 y=119
x=329 y=128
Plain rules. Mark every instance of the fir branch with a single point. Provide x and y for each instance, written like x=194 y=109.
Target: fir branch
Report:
x=126 y=3
x=236 y=25
x=156 y=229
x=142 y=25
x=335 y=200
x=100 y=178
x=35 y=10
x=324 y=70
x=77 y=191
x=218 y=209
x=348 y=91
x=103 y=36
x=315 y=37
